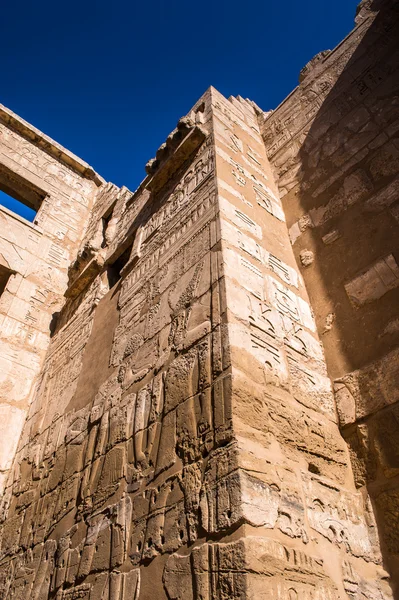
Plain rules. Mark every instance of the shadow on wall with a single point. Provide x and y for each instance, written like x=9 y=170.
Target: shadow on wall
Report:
x=350 y=161
x=346 y=211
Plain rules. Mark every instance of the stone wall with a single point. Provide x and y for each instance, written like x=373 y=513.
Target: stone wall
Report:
x=107 y=475
x=34 y=260
x=182 y=442
x=297 y=492
x=183 y=439
x=335 y=150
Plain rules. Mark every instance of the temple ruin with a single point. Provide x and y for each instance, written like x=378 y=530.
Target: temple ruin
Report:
x=199 y=380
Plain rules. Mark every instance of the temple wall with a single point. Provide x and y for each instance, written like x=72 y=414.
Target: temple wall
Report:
x=297 y=491
x=199 y=380
x=182 y=442
x=34 y=260
x=134 y=396
x=334 y=147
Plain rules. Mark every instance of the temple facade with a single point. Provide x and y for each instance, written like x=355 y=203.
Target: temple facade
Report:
x=199 y=383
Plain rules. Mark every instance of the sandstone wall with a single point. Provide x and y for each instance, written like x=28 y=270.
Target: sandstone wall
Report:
x=334 y=147
x=182 y=442
x=108 y=474
x=297 y=494
x=34 y=259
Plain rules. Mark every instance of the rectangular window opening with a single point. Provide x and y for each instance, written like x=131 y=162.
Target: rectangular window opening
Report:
x=18 y=195
x=114 y=270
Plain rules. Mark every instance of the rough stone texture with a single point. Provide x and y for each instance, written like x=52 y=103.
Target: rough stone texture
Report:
x=183 y=438
x=34 y=260
x=335 y=151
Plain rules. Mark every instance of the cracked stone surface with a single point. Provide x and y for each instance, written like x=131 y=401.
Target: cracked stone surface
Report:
x=172 y=426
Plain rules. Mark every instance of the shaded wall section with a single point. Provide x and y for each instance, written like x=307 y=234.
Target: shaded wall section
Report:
x=335 y=149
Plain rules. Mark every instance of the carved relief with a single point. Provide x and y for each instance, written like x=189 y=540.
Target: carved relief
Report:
x=206 y=573
x=207 y=412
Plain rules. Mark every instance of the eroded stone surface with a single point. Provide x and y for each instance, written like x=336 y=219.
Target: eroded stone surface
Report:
x=182 y=440
x=334 y=147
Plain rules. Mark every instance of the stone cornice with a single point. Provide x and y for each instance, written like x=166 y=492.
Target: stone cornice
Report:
x=35 y=136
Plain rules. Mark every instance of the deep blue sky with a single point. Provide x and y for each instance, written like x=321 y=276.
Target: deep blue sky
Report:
x=109 y=80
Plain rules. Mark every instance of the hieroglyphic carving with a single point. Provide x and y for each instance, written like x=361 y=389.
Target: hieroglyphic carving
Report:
x=205 y=573
x=288 y=303
x=266 y=337
x=203 y=412
x=336 y=514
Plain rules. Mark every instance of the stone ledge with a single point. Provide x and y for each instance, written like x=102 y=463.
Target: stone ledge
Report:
x=85 y=277
x=166 y=170
x=44 y=142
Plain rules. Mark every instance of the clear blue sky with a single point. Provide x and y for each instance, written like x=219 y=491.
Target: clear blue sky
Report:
x=109 y=80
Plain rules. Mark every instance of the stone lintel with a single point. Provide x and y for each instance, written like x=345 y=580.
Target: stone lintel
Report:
x=34 y=135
